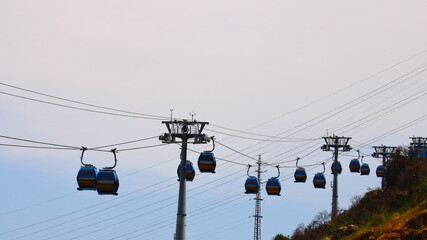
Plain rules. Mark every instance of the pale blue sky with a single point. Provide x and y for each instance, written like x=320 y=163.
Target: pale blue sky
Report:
x=236 y=64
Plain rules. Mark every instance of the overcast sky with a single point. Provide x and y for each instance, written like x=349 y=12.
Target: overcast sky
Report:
x=293 y=69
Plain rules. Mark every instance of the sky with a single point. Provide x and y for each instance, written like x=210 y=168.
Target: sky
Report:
x=271 y=77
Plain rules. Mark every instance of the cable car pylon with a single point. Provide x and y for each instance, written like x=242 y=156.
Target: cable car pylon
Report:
x=384 y=152
x=418 y=147
x=184 y=130
x=334 y=143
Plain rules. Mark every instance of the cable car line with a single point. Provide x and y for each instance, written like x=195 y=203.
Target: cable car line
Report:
x=143 y=147
x=119 y=204
x=104 y=209
x=289 y=161
x=219 y=158
x=105 y=220
x=70 y=194
x=206 y=190
x=117 y=223
x=315 y=146
x=72 y=212
x=264 y=163
x=363 y=97
x=357 y=99
x=190 y=190
x=298 y=153
x=154 y=225
x=345 y=106
x=303 y=166
x=304 y=156
x=329 y=95
x=398 y=92
x=66 y=147
x=398 y=129
x=220 y=212
x=35 y=147
x=263 y=140
x=226 y=228
x=37 y=204
x=82 y=103
x=43 y=143
x=90 y=214
x=318 y=122
x=78 y=218
x=162 y=227
x=392 y=109
x=193 y=214
x=125 y=143
x=214 y=187
x=237 y=151
x=396 y=105
x=81 y=109
x=243 y=132
x=196 y=212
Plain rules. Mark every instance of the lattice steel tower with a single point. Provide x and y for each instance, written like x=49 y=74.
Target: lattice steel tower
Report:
x=258 y=199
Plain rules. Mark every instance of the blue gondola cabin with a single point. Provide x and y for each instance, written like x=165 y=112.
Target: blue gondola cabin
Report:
x=86 y=178
x=107 y=182
x=319 y=180
x=273 y=187
x=189 y=171
x=252 y=185
x=300 y=175
x=207 y=162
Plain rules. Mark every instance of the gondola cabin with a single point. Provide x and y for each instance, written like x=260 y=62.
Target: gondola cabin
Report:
x=380 y=171
x=273 y=187
x=252 y=185
x=364 y=169
x=207 y=162
x=189 y=171
x=354 y=165
x=86 y=178
x=319 y=180
x=300 y=175
x=339 y=167
x=107 y=182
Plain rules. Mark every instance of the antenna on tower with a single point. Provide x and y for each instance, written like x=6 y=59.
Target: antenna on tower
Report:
x=171 y=114
x=192 y=114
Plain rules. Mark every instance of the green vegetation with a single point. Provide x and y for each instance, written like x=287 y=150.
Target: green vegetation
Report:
x=380 y=212
x=280 y=237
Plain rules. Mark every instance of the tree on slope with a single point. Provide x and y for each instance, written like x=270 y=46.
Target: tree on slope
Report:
x=280 y=237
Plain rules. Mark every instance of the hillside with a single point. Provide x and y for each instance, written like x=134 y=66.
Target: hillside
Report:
x=397 y=212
